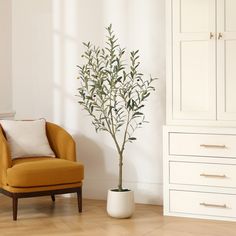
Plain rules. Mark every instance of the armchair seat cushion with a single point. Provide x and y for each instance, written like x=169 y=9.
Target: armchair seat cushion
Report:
x=43 y=171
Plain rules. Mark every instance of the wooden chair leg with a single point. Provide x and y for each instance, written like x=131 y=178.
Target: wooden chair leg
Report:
x=79 y=199
x=53 y=197
x=14 y=206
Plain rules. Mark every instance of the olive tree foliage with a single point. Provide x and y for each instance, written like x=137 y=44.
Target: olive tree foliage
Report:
x=114 y=92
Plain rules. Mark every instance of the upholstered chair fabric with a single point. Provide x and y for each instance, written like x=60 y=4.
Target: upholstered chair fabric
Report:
x=42 y=175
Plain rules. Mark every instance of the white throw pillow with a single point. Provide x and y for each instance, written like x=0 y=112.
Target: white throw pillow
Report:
x=27 y=138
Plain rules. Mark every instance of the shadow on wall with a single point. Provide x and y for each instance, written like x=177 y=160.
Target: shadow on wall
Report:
x=102 y=168
x=47 y=45
x=71 y=26
x=92 y=156
x=90 y=153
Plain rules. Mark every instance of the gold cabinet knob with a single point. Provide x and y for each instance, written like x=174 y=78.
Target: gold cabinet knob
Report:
x=220 y=36
x=211 y=35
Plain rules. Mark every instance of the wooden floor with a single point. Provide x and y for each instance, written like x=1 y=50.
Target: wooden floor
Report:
x=40 y=216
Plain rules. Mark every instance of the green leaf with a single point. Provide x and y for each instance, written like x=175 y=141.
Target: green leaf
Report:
x=132 y=138
x=138 y=114
x=121 y=89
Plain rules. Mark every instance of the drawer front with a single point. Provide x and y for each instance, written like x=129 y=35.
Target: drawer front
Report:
x=210 y=145
x=199 y=203
x=203 y=174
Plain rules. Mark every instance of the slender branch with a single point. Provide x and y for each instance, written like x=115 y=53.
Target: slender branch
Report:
x=113 y=135
x=126 y=131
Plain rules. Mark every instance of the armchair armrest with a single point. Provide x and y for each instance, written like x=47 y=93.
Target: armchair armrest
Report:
x=61 y=142
x=5 y=158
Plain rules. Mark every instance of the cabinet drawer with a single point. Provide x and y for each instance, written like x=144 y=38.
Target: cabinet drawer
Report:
x=210 y=145
x=200 y=203
x=203 y=174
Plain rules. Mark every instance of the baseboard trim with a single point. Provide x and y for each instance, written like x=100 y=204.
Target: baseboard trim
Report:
x=9 y=115
x=146 y=193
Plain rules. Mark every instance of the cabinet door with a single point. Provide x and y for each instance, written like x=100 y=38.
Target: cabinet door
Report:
x=226 y=60
x=194 y=63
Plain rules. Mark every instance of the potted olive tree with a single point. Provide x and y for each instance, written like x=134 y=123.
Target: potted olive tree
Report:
x=114 y=92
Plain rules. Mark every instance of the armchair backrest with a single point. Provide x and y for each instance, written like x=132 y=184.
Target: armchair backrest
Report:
x=61 y=142
x=5 y=158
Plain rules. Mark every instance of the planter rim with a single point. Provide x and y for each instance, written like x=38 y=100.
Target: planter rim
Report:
x=112 y=190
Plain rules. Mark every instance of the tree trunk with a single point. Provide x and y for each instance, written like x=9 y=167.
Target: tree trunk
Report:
x=120 y=187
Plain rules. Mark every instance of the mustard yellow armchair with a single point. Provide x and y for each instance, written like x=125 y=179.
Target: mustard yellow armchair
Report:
x=42 y=176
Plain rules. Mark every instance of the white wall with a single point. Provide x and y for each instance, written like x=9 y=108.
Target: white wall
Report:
x=5 y=57
x=47 y=44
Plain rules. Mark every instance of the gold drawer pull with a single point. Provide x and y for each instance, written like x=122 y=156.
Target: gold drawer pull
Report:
x=213 y=205
x=213 y=176
x=212 y=146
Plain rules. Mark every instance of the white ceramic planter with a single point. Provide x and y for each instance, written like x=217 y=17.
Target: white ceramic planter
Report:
x=120 y=204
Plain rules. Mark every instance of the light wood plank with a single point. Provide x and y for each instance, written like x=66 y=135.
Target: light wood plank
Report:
x=40 y=216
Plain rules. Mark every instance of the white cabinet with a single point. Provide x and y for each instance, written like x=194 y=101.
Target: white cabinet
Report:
x=203 y=174
x=200 y=136
x=226 y=60
x=194 y=64
x=200 y=172
x=201 y=43
x=204 y=204
x=207 y=145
